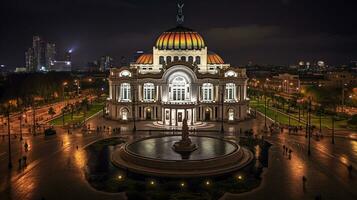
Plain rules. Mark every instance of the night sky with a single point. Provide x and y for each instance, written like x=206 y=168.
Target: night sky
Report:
x=262 y=31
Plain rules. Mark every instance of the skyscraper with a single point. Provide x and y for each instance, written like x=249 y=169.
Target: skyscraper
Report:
x=106 y=62
x=30 y=61
x=40 y=56
x=50 y=54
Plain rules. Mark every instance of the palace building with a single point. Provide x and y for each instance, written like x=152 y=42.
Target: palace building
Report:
x=180 y=79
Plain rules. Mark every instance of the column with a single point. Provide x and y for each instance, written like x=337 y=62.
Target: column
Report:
x=192 y=116
x=163 y=118
x=242 y=92
x=170 y=116
x=176 y=114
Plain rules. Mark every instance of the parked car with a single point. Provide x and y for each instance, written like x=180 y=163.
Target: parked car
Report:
x=50 y=131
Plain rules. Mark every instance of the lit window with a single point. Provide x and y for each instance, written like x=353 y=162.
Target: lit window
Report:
x=149 y=90
x=207 y=92
x=230 y=114
x=230 y=91
x=230 y=74
x=125 y=92
x=125 y=73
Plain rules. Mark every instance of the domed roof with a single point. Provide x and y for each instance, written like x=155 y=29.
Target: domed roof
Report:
x=145 y=59
x=180 y=38
x=213 y=58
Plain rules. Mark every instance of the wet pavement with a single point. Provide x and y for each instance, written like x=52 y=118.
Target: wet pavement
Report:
x=55 y=165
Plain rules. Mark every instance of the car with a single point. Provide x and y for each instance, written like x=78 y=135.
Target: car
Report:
x=50 y=131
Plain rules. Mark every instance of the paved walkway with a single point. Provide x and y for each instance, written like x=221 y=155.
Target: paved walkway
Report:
x=55 y=167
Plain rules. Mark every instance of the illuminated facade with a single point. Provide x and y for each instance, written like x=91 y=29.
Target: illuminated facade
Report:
x=179 y=79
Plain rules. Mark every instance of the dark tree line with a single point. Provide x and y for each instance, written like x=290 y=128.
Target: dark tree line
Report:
x=25 y=87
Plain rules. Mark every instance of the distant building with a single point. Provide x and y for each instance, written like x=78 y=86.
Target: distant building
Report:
x=50 y=54
x=106 y=62
x=40 y=55
x=20 y=70
x=61 y=66
x=30 y=60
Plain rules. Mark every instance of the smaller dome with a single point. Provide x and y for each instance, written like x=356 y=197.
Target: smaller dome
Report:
x=213 y=58
x=145 y=59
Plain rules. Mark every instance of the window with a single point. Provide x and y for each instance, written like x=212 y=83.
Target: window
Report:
x=161 y=60
x=176 y=58
x=179 y=89
x=149 y=90
x=124 y=114
x=198 y=60
x=125 y=73
x=168 y=59
x=207 y=92
x=125 y=92
x=230 y=74
x=183 y=58
x=230 y=114
x=230 y=91
x=190 y=59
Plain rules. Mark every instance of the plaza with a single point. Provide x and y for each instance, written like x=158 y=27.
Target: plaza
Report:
x=56 y=166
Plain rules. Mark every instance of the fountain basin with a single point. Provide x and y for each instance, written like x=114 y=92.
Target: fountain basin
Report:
x=154 y=156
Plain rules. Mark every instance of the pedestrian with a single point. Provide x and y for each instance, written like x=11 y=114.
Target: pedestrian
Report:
x=77 y=147
x=20 y=163
x=24 y=159
x=290 y=151
x=26 y=146
x=283 y=149
x=350 y=168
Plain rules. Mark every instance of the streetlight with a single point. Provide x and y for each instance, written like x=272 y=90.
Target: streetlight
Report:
x=222 y=107
x=8 y=134
x=309 y=127
x=333 y=130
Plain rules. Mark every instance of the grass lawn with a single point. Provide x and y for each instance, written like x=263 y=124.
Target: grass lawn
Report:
x=326 y=121
x=78 y=117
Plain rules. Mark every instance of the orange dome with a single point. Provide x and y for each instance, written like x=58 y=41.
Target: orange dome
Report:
x=213 y=58
x=180 y=38
x=145 y=59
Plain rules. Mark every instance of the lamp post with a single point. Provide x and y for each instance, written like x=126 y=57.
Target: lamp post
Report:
x=20 y=118
x=8 y=138
x=134 y=109
x=333 y=130
x=309 y=127
x=222 y=108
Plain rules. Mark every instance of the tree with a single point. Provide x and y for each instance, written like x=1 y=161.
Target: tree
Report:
x=51 y=112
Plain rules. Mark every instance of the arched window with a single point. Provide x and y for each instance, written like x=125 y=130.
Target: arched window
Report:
x=124 y=114
x=190 y=59
x=179 y=89
x=125 y=92
x=230 y=74
x=161 y=60
x=198 y=60
x=125 y=73
x=168 y=59
x=230 y=91
x=183 y=58
x=231 y=114
x=207 y=92
x=149 y=90
x=176 y=58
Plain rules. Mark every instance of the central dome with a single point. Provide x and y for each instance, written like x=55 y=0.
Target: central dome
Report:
x=180 y=38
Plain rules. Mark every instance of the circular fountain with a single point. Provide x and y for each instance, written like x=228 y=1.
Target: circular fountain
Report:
x=182 y=156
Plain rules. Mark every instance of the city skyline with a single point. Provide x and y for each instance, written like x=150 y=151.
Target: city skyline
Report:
x=279 y=32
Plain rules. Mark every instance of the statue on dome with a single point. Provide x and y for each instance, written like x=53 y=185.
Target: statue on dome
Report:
x=180 y=17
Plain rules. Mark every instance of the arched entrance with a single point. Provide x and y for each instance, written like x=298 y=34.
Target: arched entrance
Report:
x=148 y=113
x=207 y=114
x=124 y=114
x=230 y=114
